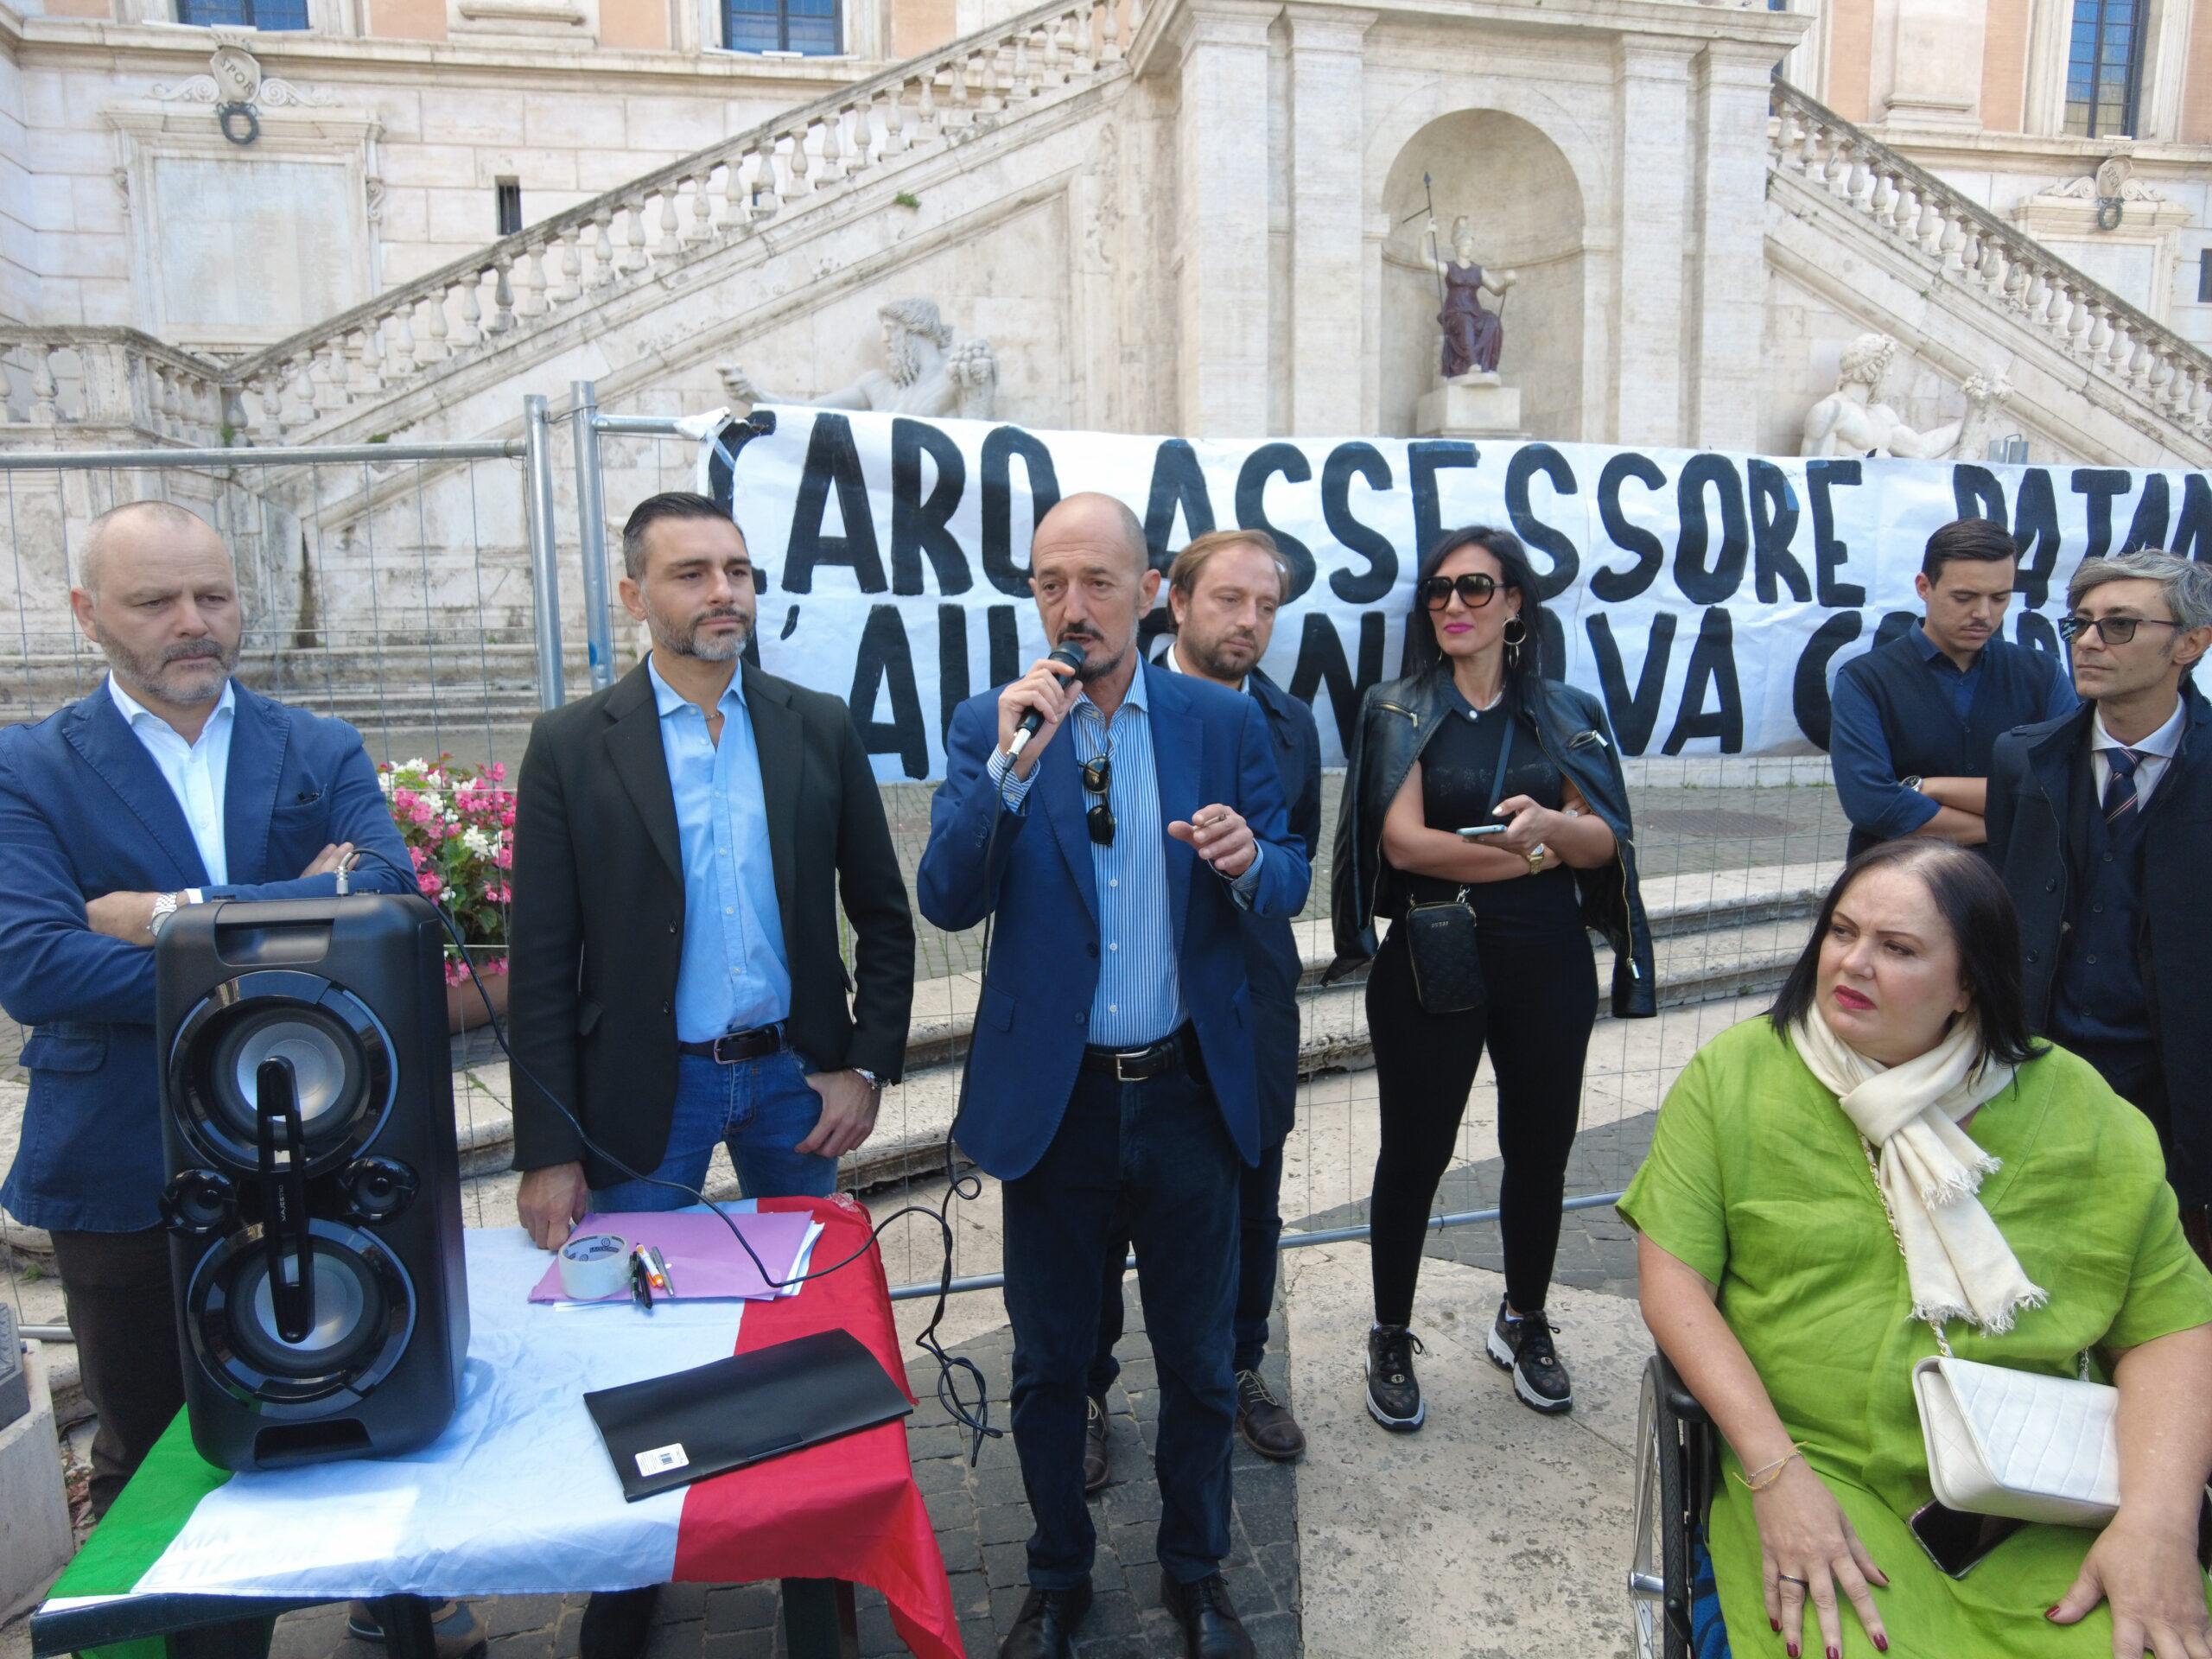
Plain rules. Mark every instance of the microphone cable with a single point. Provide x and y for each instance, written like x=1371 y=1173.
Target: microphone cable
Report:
x=951 y=1368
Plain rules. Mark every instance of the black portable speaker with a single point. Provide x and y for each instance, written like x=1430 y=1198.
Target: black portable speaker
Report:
x=313 y=1198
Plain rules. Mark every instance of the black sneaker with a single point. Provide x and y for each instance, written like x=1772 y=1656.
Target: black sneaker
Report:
x=1393 y=1392
x=1522 y=1346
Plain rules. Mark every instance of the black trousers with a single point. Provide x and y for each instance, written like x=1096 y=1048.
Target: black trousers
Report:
x=1541 y=1006
x=2135 y=1073
x=1259 y=1229
x=117 y=1289
x=1150 y=1162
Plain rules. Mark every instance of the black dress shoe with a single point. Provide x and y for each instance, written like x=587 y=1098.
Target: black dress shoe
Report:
x=617 y=1623
x=1045 y=1626
x=1097 y=1467
x=1211 y=1627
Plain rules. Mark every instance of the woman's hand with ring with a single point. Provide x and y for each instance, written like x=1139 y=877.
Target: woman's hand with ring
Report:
x=1527 y=825
x=1807 y=1552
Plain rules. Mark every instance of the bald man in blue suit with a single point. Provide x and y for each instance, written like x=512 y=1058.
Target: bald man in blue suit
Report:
x=1111 y=1086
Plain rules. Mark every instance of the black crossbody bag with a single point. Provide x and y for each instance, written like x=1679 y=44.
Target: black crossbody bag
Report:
x=1441 y=935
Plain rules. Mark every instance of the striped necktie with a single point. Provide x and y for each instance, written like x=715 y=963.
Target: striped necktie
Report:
x=2120 y=787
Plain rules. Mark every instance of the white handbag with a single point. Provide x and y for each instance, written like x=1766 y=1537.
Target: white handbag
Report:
x=2018 y=1444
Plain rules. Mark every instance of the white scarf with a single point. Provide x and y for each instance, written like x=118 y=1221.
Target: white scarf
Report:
x=1957 y=1261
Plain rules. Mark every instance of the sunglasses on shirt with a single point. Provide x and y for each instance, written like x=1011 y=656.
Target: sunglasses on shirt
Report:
x=1098 y=777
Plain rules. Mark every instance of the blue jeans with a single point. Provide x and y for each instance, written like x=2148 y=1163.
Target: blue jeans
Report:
x=760 y=1110
x=1260 y=1233
x=1152 y=1163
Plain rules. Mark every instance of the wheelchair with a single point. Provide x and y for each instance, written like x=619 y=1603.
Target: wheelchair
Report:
x=1677 y=1465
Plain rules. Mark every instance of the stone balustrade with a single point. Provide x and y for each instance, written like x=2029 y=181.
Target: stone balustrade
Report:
x=113 y=377
x=548 y=271
x=1973 y=250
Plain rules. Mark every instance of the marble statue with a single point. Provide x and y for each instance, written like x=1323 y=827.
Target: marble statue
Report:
x=1849 y=420
x=929 y=374
x=1473 y=335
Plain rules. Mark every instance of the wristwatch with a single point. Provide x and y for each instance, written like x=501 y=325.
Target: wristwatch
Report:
x=1912 y=782
x=868 y=1078
x=165 y=905
x=1535 y=860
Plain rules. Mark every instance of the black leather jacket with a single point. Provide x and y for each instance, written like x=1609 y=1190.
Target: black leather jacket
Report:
x=1396 y=720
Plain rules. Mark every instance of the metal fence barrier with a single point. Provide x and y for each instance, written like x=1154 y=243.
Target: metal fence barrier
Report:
x=418 y=591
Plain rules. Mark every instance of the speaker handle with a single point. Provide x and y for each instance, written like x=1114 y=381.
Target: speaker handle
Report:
x=285 y=1200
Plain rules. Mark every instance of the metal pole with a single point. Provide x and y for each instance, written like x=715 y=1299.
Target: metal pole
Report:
x=591 y=533
x=544 y=561
x=1289 y=1242
x=392 y=455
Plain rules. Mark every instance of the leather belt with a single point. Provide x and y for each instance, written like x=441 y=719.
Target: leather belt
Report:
x=1176 y=1052
x=735 y=1046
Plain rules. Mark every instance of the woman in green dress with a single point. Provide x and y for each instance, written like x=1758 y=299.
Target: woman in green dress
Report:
x=1897 y=1065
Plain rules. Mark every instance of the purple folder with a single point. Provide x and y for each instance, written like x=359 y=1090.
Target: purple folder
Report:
x=703 y=1260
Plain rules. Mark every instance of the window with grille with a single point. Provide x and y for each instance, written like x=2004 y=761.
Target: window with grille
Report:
x=808 y=26
x=243 y=14
x=507 y=205
x=2204 y=275
x=2104 y=70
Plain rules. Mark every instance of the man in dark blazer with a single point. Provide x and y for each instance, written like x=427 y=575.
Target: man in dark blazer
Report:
x=169 y=784
x=681 y=840
x=1223 y=592
x=1110 y=1085
x=2099 y=823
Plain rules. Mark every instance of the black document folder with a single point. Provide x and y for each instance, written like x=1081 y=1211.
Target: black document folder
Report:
x=670 y=1431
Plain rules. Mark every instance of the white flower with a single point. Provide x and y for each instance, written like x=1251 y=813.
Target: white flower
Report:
x=477 y=842
x=416 y=765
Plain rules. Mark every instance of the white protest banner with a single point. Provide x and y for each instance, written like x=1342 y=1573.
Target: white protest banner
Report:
x=1708 y=599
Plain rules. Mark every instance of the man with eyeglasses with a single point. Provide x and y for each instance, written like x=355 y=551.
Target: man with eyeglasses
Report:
x=2097 y=823
x=1915 y=719
x=1110 y=1085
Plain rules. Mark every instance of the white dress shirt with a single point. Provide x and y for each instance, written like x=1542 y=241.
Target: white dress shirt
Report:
x=2154 y=754
x=198 y=773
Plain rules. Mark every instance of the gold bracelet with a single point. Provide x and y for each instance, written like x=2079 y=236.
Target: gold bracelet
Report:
x=1767 y=1473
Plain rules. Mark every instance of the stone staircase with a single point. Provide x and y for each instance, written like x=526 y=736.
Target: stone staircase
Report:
x=602 y=268
x=1889 y=242
x=638 y=282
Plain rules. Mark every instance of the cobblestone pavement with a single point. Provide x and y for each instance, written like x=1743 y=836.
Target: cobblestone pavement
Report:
x=981 y=1520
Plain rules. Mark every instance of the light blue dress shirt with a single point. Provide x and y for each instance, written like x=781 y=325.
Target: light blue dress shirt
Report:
x=1139 y=996
x=198 y=773
x=733 y=975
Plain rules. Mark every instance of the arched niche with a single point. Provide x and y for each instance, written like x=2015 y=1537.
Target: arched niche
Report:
x=1520 y=194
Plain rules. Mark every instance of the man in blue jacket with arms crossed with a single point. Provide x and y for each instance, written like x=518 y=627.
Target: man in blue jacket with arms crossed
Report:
x=1111 y=1086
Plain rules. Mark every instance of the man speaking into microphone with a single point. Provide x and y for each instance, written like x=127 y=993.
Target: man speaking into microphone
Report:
x=1111 y=1086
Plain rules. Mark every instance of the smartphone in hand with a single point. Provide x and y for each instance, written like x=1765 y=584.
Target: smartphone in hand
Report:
x=1476 y=831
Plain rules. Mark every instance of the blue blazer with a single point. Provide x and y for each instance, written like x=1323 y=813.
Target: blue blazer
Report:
x=85 y=811
x=1211 y=746
x=1273 y=962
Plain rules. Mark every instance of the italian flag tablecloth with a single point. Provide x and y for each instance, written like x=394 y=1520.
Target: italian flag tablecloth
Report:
x=519 y=1496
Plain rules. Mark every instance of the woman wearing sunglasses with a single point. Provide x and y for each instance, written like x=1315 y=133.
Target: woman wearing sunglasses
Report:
x=1486 y=817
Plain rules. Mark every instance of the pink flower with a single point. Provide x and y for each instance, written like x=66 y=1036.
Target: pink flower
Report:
x=453 y=832
x=431 y=883
x=496 y=772
x=505 y=858
x=422 y=859
x=421 y=813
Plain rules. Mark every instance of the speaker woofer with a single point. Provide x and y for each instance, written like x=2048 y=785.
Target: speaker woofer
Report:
x=340 y=1056
x=364 y=1311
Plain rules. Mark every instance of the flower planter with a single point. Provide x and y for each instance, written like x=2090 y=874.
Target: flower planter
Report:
x=465 y=1007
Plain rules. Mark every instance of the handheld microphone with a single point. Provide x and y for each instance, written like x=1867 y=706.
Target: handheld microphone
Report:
x=1069 y=652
